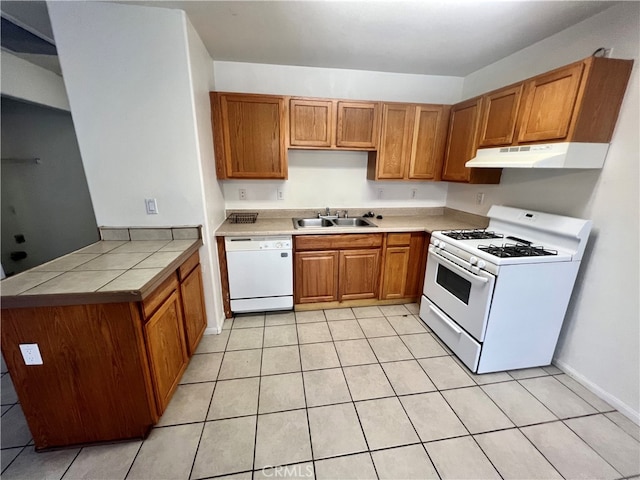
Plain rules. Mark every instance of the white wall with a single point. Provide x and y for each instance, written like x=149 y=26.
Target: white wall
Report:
x=334 y=178
x=23 y=80
x=600 y=341
x=136 y=102
x=47 y=202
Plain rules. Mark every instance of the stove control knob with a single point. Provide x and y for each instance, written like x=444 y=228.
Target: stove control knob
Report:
x=482 y=264
x=442 y=245
x=473 y=260
x=436 y=242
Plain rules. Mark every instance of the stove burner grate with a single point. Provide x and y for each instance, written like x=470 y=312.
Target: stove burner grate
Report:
x=509 y=250
x=473 y=234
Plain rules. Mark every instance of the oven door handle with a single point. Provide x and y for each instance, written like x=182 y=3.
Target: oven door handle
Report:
x=445 y=320
x=461 y=271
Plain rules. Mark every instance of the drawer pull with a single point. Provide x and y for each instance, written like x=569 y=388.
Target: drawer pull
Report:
x=445 y=320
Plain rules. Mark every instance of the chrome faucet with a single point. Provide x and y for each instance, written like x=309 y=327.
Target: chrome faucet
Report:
x=327 y=211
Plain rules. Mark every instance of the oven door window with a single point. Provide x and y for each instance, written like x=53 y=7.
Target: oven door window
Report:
x=454 y=283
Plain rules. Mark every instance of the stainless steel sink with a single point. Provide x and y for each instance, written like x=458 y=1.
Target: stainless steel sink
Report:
x=353 y=222
x=332 y=222
x=312 y=222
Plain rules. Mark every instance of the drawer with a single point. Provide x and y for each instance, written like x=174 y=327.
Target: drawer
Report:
x=340 y=241
x=159 y=295
x=459 y=341
x=188 y=265
x=398 y=239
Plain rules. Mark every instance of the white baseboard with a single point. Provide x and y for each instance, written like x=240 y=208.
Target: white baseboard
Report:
x=615 y=402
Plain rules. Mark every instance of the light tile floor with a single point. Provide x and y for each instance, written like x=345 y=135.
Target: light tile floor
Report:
x=350 y=393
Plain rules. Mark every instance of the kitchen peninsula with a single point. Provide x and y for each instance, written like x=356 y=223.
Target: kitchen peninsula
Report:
x=109 y=331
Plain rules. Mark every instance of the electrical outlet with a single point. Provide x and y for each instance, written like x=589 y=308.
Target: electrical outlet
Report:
x=242 y=193
x=31 y=354
x=414 y=192
x=151 y=206
x=380 y=193
x=479 y=198
x=280 y=194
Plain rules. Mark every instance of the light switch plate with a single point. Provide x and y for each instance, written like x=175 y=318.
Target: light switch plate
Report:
x=31 y=354
x=151 y=205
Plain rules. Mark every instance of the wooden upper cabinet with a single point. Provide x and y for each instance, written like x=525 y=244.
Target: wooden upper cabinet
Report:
x=462 y=143
x=358 y=125
x=411 y=142
x=499 y=114
x=311 y=123
x=394 y=150
x=429 y=137
x=549 y=104
x=249 y=135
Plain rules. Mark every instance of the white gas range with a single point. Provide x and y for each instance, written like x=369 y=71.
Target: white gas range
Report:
x=498 y=296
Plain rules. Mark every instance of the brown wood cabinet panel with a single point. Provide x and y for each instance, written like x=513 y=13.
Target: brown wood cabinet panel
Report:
x=462 y=144
x=311 y=122
x=166 y=348
x=316 y=276
x=250 y=134
x=396 y=265
x=358 y=125
x=158 y=296
x=462 y=140
x=224 y=278
x=417 y=264
x=394 y=150
x=339 y=241
x=359 y=273
x=195 y=316
x=92 y=385
x=549 y=101
x=189 y=264
x=499 y=114
x=429 y=136
x=398 y=239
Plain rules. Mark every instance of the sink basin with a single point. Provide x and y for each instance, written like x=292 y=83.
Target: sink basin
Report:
x=353 y=222
x=312 y=222
x=332 y=222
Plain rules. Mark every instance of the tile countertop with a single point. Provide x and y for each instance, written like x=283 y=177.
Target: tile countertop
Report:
x=279 y=222
x=108 y=271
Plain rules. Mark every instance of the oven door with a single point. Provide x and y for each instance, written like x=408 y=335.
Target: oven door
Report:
x=463 y=295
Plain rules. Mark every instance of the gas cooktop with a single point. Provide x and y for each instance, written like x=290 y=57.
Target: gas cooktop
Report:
x=474 y=234
x=516 y=250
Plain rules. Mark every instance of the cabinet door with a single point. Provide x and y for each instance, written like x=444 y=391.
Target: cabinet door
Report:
x=395 y=141
x=429 y=135
x=316 y=276
x=396 y=265
x=499 y=113
x=253 y=129
x=417 y=263
x=310 y=122
x=166 y=349
x=462 y=140
x=195 y=317
x=358 y=125
x=549 y=102
x=359 y=272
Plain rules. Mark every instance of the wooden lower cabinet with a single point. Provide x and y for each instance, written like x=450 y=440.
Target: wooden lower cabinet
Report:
x=109 y=369
x=164 y=335
x=404 y=265
x=316 y=276
x=358 y=274
x=195 y=316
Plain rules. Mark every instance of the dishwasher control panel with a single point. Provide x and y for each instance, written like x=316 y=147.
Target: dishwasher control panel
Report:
x=235 y=244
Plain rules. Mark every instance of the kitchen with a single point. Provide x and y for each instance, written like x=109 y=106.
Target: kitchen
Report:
x=584 y=194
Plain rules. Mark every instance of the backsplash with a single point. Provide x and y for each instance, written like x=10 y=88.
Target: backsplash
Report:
x=141 y=233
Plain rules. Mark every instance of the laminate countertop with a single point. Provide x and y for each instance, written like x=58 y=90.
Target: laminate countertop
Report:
x=279 y=222
x=108 y=271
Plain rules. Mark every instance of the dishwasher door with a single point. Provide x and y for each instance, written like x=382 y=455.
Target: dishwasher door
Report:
x=260 y=273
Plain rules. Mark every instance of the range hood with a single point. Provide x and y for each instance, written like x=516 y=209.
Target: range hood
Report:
x=549 y=155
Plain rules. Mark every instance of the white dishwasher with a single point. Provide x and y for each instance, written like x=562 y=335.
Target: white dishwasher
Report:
x=260 y=273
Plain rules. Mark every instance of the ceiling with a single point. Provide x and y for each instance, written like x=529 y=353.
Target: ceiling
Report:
x=435 y=37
